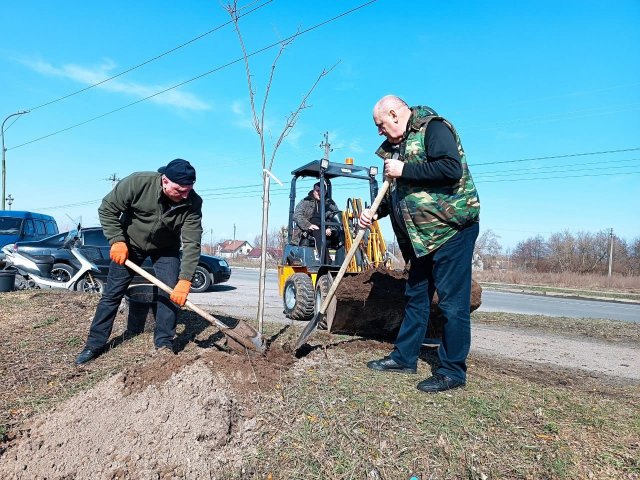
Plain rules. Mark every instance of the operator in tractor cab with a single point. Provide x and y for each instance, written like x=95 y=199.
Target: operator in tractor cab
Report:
x=149 y=214
x=307 y=218
x=434 y=209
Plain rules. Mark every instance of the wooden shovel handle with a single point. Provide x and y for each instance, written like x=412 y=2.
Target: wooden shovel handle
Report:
x=163 y=286
x=352 y=251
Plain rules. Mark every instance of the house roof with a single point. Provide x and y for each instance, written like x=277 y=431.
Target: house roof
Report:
x=230 y=246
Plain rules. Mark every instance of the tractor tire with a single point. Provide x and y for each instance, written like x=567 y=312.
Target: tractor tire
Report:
x=298 y=298
x=323 y=285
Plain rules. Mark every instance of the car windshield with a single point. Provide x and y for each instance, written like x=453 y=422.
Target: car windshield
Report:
x=10 y=225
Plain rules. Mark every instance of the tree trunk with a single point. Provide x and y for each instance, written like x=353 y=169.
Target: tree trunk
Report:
x=263 y=246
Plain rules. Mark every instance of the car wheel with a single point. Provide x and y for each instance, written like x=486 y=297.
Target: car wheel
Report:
x=201 y=280
x=61 y=272
x=90 y=284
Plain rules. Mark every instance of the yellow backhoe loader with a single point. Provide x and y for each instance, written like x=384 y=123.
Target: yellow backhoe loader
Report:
x=304 y=280
x=368 y=300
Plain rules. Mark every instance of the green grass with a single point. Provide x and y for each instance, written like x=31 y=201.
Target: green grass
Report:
x=45 y=323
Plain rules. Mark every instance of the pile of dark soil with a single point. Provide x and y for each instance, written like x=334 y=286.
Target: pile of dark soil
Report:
x=371 y=304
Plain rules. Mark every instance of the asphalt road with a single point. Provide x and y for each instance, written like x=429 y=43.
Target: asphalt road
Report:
x=239 y=297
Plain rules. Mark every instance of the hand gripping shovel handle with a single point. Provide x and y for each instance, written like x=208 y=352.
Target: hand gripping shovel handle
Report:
x=248 y=338
x=313 y=323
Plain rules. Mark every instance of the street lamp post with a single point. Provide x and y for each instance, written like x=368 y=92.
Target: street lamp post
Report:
x=4 y=151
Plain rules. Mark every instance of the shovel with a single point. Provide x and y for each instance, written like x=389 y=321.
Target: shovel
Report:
x=313 y=323
x=241 y=333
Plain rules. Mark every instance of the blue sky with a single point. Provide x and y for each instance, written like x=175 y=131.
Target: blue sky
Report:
x=519 y=80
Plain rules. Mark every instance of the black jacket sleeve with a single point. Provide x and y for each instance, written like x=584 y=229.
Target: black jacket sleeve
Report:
x=443 y=165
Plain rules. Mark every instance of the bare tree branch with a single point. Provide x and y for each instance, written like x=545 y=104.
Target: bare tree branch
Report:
x=232 y=10
x=293 y=117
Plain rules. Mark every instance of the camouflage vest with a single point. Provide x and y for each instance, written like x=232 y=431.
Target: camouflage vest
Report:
x=432 y=215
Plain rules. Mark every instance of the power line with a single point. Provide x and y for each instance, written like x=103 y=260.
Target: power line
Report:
x=557 y=156
x=228 y=64
x=562 y=177
x=562 y=169
x=608 y=162
x=255 y=189
x=146 y=62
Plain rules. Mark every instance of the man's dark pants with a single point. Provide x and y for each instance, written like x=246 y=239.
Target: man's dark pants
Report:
x=166 y=264
x=447 y=270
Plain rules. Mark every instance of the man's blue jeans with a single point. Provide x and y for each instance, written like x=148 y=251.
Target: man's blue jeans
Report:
x=166 y=265
x=447 y=270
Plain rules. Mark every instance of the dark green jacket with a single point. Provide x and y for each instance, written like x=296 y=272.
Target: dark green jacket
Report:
x=138 y=213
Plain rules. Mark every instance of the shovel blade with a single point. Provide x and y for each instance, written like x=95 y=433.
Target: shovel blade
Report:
x=308 y=330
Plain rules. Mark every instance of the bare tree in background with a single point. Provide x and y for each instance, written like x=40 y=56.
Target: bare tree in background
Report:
x=531 y=254
x=258 y=124
x=488 y=247
x=274 y=239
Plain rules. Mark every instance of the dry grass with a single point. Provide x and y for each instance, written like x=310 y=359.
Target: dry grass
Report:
x=616 y=282
x=334 y=419
x=330 y=417
x=602 y=330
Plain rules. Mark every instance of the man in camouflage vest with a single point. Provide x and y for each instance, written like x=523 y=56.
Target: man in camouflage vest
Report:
x=434 y=210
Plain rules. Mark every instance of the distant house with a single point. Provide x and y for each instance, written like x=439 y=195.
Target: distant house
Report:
x=232 y=248
x=272 y=254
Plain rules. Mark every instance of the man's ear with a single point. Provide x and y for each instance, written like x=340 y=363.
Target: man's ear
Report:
x=393 y=115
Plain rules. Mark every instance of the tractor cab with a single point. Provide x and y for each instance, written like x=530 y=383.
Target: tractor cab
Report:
x=304 y=276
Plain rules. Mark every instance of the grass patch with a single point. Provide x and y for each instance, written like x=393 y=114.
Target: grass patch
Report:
x=336 y=419
x=606 y=330
x=45 y=323
x=330 y=417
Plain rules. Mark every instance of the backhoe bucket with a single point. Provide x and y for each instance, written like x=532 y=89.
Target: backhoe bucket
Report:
x=371 y=304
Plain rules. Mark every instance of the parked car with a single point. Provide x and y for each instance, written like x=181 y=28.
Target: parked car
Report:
x=94 y=245
x=18 y=226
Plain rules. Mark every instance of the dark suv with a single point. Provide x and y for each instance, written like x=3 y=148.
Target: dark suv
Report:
x=95 y=247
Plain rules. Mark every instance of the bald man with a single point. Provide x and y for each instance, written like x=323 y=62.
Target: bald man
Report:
x=434 y=210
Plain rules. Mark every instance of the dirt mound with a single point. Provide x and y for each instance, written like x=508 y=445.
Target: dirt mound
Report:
x=371 y=304
x=184 y=416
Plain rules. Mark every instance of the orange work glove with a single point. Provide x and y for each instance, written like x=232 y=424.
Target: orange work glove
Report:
x=119 y=252
x=180 y=292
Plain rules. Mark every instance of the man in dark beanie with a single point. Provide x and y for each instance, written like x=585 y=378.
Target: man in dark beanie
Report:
x=149 y=214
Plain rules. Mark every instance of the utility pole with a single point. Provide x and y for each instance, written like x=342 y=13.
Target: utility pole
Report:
x=10 y=200
x=114 y=180
x=234 y=232
x=326 y=145
x=211 y=241
x=4 y=151
x=610 y=250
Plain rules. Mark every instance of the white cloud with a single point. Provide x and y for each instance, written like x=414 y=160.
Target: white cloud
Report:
x=96 y=74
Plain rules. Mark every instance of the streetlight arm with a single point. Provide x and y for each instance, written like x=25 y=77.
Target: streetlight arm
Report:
x=4 y=150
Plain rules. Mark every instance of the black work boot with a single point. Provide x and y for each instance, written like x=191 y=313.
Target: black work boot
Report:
x=439 y=383
x=387 y=364
x=88 y=354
